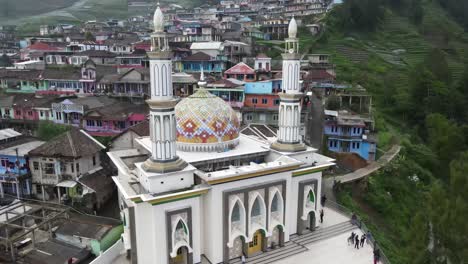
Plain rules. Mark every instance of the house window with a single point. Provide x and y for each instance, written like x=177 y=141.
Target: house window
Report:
x=30 y=113
x=49 y=168
x=38 y=189
x=99 y=123
x=78 y=167
x=41 y=113
x=90 y=123
x=330 y=144
x=4 y=162
x=335 y=143
x=36 y=165
x=358 y=145
x=58 y=115
x=7 y=112
x=275 y=117
x=264 y=101
x=277 y=101
x=72 y=168
x=259 y=65
x=254 y=101
x=249 y=117
x=94 y=160
x=18 y=112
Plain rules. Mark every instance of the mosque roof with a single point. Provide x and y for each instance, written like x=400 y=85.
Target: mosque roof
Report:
x=204 y=119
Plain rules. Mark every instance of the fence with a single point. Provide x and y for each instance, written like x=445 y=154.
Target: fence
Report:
x=356 y=220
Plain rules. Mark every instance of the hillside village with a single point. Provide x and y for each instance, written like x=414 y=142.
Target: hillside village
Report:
x=171 y=116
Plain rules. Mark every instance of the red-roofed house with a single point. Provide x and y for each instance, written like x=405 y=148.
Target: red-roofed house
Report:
x=38 y=48
x=241 y=71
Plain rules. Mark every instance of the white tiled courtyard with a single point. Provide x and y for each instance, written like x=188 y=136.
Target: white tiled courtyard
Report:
x=334 y=250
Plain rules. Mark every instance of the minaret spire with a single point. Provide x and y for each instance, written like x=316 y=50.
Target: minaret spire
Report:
x=289 y=117
x=162 y=104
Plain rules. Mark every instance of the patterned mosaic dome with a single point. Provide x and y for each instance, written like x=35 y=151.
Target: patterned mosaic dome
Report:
x=206 y=123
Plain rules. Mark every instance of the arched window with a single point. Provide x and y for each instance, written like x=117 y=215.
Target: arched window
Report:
x=311 y=197
x=181 y=226
x=256 y=210
x=235 y=216
x=274 y=203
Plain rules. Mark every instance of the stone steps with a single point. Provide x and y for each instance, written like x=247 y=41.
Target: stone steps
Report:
x=323 y=234
x=289 y=249
x=297 y=244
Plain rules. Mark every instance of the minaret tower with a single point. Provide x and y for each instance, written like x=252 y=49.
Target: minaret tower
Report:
x=289 y=118
x=162 y=104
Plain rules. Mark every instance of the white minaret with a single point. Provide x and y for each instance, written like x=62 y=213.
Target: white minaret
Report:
x=289 y=117
x=162 y=103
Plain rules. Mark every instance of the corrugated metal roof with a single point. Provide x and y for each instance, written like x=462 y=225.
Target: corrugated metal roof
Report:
x=206 y=46
x=8 y=133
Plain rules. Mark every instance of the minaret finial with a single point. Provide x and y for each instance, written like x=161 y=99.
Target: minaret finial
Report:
x=202 y=82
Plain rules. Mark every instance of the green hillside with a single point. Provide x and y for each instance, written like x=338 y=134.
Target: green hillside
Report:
x=30 y=14
x=410 y=55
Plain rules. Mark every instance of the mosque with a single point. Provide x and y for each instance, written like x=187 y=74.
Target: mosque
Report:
x=197 y=186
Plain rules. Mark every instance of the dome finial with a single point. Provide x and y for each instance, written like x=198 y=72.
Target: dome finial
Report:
x=292 y=28
x=202 y=82
x=158 y=20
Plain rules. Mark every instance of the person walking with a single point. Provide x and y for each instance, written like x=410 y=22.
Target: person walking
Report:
x=368 y=237
x=356 y=242
x=363 y=238
x=351 y=239
x=243 y=259
x=323 y=200
x=376 y=256
x=321 y=216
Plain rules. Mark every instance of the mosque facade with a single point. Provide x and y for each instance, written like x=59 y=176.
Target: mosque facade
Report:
x=198 y=187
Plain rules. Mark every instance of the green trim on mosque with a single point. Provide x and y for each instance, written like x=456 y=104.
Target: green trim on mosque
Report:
x=175 y=200
x=305 y=172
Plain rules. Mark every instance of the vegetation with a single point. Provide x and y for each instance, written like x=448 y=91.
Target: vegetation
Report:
x=411 y=56
x=49 y=130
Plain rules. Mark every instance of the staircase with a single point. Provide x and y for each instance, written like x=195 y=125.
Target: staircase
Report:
x=297 y=244
x=322 y=234
x=289 y=249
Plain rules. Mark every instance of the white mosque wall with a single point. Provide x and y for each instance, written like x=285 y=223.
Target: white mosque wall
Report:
x=159 y=183
x=213 y=203
x=151 y=229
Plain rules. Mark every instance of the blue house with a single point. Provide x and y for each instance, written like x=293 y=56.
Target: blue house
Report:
x=199 y=60
x=263 y=87
x=346 y=132
x=15 y=178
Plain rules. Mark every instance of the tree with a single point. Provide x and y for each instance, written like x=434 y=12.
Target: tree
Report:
x=89 y=36
x=48 y=130
x=445 y=138
x=436 y=63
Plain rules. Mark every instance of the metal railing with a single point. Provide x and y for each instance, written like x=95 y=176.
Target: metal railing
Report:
x=356 y=220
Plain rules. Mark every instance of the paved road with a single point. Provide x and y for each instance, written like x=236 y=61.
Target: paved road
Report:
x=315 y=123
x=327 y=184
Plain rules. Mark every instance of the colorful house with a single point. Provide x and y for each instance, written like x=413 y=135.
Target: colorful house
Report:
x=113 y=119
x=346 y=132
x=14 y=168
x=242 y=72
x=199 y=60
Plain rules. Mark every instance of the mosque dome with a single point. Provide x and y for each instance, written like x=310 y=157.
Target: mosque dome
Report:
x=158 y=20
x=206 y=123
x=292 y=28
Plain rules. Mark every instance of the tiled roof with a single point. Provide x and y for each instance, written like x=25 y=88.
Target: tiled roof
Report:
x=41 y=46
x=240 y=68
x=141 y=129
x=199 y=56
x=73 y=143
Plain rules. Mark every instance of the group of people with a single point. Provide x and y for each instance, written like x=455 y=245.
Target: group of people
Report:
x=358 y=242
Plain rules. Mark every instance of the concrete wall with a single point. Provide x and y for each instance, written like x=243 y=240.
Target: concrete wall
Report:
x=109 y=255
